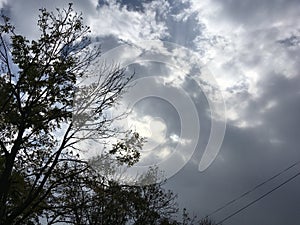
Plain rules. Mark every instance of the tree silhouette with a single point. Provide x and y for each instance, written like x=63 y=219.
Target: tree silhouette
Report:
x=37 y=88
x=44 y=114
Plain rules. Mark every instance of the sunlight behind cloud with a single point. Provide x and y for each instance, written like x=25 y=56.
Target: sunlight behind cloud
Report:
x=152 y=128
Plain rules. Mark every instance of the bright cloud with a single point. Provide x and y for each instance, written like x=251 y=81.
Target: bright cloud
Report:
x=153 y=129
x=127 y=25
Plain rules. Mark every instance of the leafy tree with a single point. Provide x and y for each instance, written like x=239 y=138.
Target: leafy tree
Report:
x=44 y=114
x=37 y=88
x=94 y=200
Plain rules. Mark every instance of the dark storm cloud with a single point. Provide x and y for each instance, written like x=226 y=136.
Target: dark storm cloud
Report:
x=283 y=119
x=254 y=153
x=249 y=156
x=246 y=159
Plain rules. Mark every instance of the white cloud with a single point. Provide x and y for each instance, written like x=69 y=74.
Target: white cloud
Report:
x=153 y=129
x=129 y=26
x=242 y=52
x=2 y=3
x=163 y=153
x=176 y=139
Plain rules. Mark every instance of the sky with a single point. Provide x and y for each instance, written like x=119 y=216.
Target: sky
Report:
x=201 y=65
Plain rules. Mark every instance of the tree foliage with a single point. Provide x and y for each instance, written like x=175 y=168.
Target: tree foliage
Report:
x=37 y=88
x=42 y=176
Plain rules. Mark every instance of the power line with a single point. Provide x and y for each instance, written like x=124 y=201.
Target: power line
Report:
x=253 y=189
x=261 y=197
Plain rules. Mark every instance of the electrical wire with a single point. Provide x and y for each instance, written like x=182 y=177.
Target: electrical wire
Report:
x=261 y=197
x=253 y=189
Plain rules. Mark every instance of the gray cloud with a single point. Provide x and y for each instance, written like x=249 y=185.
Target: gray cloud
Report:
x=252 y=48
x=257 y=13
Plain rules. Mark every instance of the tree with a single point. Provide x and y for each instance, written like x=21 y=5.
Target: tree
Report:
x=44 y=113
x=37 y=88
x=94 y=200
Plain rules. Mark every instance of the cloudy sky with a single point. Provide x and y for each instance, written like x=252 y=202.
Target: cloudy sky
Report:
x=199 y=64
